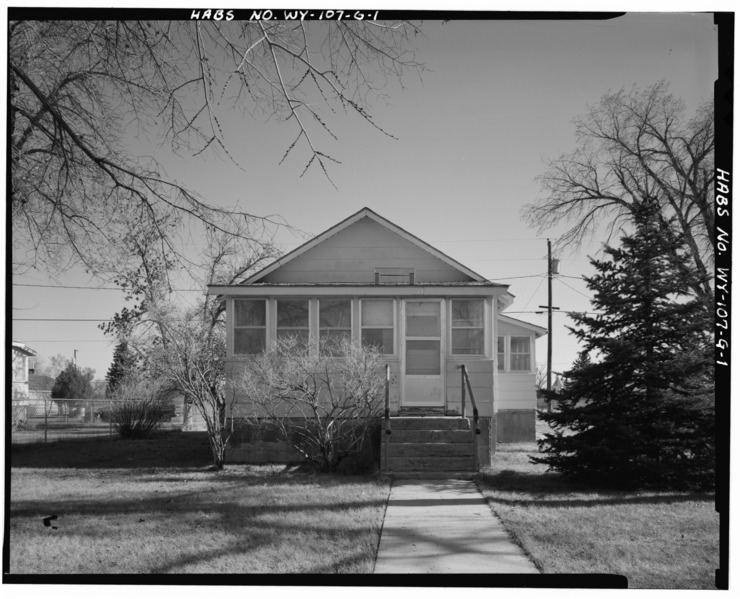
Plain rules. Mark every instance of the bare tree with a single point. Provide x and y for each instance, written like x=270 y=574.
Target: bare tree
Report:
x=183 y=350
x=84 y=93
x=633 y=147
x=322 y=405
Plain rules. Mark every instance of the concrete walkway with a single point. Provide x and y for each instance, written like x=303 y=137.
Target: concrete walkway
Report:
x=445 y=526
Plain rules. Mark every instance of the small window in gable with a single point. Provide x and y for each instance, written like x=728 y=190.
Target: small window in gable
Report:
x=394 y=276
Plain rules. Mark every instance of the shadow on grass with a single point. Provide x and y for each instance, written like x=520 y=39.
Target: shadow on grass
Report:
x=162 y=449
x=548 y=489
x=250 y=520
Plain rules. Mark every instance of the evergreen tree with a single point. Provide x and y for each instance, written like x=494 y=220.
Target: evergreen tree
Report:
x=124 y=363
x=72 y=383
x=640 y=411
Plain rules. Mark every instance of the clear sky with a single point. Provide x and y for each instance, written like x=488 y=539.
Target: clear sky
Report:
x=498 y=98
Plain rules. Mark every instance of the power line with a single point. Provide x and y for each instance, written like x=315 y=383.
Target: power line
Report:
x=67 y=319
x=83 y=287
x=576 y=290
x=69 y=341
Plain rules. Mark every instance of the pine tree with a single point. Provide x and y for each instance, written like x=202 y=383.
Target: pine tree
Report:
x=123 y=365
x=640 y=411
x=72 y=383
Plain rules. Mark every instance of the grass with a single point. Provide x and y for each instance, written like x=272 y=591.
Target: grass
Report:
x=155 y=506
x=655 y=539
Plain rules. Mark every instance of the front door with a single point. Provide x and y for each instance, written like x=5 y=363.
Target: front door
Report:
x=423 y=352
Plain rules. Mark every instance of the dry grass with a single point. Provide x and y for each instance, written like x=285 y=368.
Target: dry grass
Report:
x=656 y=540
x=184 y=517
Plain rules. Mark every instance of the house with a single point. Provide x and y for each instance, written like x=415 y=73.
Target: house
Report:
x=21 y=353
x=374 y=281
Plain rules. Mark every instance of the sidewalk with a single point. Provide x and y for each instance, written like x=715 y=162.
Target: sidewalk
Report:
x=445 y=526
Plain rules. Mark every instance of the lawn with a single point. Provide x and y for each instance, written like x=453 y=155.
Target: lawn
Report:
x=655 y=539
x=155 y=506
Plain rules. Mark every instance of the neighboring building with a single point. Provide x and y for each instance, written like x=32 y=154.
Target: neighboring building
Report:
x=21 y=353
x=372 y=280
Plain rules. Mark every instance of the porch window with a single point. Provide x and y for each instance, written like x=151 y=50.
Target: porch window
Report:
x=520 y=358
x=335 y=323
x=467 y=327
x=501 y=353
x=249 y=326
x=376 y=323
x=292 y=320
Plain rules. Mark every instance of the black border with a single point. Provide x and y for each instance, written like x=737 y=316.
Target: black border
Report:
x=724 y=93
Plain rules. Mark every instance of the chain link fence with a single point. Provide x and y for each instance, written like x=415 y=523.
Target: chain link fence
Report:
x=46 y=420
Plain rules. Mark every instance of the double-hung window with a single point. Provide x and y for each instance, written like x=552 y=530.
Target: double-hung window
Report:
x=335 y=324
x=468 y=332
x=376 y=323
x=520 y=357
x=292 y=320
x=501 y=353
x=249 y=326
x=519 y=351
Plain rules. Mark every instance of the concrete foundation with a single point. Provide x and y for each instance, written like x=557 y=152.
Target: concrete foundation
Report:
x=516 y=426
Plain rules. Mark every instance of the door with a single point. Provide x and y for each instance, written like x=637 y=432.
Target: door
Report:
x=423 y=352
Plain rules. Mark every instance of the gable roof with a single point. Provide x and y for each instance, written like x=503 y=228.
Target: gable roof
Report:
x=23 y=348
x=538 y=330
x=364 y=213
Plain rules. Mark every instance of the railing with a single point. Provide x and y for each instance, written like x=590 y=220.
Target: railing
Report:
x=387 y=399
x=466 y=382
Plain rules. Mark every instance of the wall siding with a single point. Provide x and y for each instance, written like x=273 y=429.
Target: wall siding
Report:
x=481 y=380
x=352 y=255
x=516 y=391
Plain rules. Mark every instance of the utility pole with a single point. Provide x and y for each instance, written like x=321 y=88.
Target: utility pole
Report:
x=74 y=361
x=550 y=308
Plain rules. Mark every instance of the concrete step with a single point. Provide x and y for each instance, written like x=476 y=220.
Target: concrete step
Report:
x=431 y=464
x=412 y=450
x=428 y=436
x=459 y=475
x=430 y=423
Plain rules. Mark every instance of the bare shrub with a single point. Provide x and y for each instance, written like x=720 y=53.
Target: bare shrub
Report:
x=323 y=404
x=139 y=407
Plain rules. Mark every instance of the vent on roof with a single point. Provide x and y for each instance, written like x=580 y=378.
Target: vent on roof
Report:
x=394 y=276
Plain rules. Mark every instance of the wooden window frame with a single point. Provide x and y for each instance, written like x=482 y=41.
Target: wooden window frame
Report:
x=392 y=327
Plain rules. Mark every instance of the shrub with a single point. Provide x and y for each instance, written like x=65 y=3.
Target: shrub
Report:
x=139 y=407
x=323 y=404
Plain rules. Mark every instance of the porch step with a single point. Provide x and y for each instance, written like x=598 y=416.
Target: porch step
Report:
x=461 y=475
x=431 y=464
x=429 y=436
x=420 y=450
x=429 y=446
x=430 y=423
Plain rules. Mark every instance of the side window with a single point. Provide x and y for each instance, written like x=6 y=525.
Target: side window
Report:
x=335 y=324
x=292 y=320
x=249 y=326
x=467 y=327
x=501 y=353
x=376 y=323
x=520 y=358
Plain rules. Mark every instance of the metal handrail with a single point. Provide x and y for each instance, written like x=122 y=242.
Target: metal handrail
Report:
x=466 y=381
x=387 y=399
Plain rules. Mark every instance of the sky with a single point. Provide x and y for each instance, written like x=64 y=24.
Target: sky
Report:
x=472 y=132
